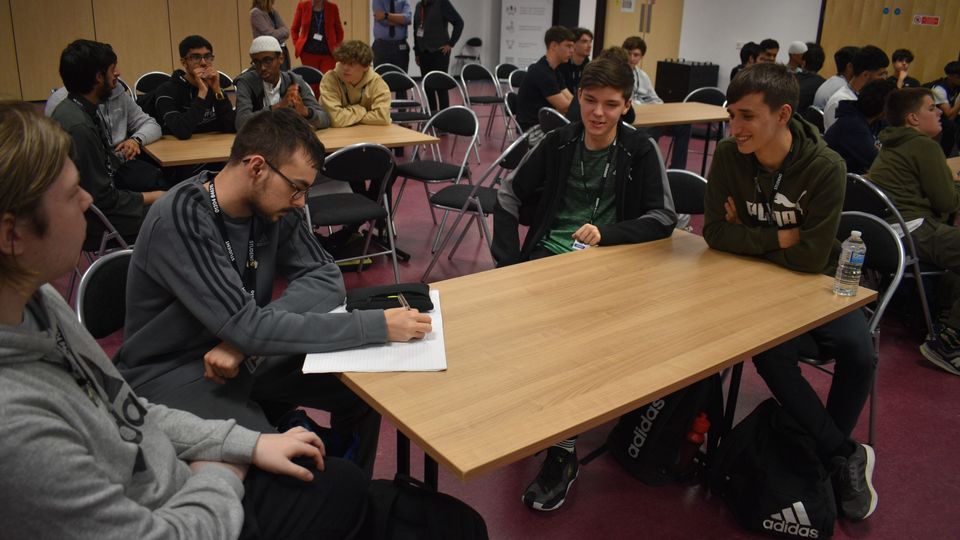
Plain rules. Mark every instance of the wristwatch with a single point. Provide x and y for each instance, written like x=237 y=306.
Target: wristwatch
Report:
x=137 y=140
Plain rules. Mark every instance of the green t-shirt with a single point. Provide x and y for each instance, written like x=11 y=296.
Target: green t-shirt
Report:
x=576 y=209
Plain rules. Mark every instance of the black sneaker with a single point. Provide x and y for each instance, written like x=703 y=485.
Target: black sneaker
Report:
x=549 y=489
x=854 y=484
x=944 y=350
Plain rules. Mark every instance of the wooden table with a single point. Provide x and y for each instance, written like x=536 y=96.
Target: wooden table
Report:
x=954 y=164
x=541 y=351
x=215 y=147
x=670 y=114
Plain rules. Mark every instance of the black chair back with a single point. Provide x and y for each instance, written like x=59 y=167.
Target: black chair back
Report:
x=710 y=95
x=885 y=255
x=512 y=103
x=310 y=74
x=148 y=82
x=398 y=81
x=457 y=120
x=360 y=162
x=514 y=154
x=225 y=81
x=476 y=72
x=688 y=189
x=387 y=68
x=814 y=116
x=102 y=296
x=550 y=119
x=516 y=78
x=503 y=71
x=863 y=196
x=439 y=81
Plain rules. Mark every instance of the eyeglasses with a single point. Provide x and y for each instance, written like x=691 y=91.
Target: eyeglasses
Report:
x=198 y=57
x=298 y=192
x=265 y=62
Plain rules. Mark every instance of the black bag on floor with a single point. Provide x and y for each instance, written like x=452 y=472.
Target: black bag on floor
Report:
x=406 y=509
x=768 y=471
x=647 y=441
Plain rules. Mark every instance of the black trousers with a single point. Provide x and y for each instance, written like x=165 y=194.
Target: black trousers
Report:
x=436 y=61
x=396 y=52
x=333 y=505
x=257 y=400
x=847 y=340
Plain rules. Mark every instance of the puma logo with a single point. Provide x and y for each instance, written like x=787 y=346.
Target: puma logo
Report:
x=783 y=201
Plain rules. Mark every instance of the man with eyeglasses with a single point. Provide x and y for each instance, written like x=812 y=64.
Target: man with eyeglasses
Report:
x=266 y=86
x=203 y=331
x=192 y=100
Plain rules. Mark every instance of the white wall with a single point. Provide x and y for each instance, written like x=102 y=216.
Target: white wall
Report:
x=713 y=30
x=588 y=15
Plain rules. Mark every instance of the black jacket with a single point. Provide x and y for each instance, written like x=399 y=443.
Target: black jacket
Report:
x=181 y=113
x=533 y=194
x=851 y=137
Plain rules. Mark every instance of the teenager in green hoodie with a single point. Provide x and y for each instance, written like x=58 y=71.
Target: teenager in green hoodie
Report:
x=776 y=192
x=912 y=171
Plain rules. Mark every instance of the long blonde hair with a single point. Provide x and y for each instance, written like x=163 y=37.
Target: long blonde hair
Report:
x=264 y=5
x=33 y=150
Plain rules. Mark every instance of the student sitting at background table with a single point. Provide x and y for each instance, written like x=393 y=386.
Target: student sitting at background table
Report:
x=593 y=182
x=266 y=86
x=192 y=100
x=775 y=191
x=352 y=93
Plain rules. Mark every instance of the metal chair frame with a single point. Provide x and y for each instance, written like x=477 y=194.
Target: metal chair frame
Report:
x=478 y=73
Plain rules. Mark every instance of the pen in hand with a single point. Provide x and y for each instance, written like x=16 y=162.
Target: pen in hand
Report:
x=403 y=301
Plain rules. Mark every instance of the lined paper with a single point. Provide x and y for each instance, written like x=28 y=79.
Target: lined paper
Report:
x=427 y=354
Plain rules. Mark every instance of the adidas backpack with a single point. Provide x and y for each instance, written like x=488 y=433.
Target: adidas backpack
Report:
x=647 y=441
x=768 y=471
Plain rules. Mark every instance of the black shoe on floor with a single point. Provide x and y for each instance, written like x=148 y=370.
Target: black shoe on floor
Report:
x=854 y=482
x=549 y=489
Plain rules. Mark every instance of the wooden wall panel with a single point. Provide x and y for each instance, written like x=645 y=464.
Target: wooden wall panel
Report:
x=9 y=74
x=142 y=42
x=863 y=22
x=284 y=7
x=42 y=31
x=663 y=40
x=215 y=20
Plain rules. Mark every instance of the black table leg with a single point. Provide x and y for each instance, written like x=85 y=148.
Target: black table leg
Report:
x=727 y=421
x=430 y=472
x=403 y=453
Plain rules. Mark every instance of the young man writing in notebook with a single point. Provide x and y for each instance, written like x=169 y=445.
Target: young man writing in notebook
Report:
x=202 y=277
x=776 y=192
x=594 y=182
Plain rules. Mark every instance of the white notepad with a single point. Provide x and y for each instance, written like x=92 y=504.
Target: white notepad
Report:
x=427 y=354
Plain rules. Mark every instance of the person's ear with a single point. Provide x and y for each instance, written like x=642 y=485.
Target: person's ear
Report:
x=11 y=244
x=786 y=111
x=913 y=119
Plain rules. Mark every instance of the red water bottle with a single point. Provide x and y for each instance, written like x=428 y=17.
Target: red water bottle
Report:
x=691 y=446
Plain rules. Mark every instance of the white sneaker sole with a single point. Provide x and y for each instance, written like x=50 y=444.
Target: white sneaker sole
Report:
x=871 y=462
x=937 y=360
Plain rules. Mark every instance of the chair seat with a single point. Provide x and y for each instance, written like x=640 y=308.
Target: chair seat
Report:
x=404 y=103
x=341 y=208
x=455 y=197
x=409 y=116
x=434 y=171
x=485 y=99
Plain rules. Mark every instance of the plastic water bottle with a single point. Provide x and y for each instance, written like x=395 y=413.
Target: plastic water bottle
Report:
x=850 y=265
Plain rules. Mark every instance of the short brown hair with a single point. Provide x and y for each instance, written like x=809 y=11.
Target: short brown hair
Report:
x=33 y=151
x=635 y=42
x=557 y=34
x=354 y=52
x=277 y=135
x=609 y=70
x=902 y=102
x=263 y=5
x=778 y=86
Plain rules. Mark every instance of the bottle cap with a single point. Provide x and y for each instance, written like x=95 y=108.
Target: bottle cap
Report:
x=855 y=234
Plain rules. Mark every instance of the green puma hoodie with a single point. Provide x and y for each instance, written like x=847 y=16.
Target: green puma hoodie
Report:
x=810 y=197
x=912 y=171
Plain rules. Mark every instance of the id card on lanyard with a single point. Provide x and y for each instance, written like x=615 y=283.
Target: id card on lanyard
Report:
x=767 y=202
x=611 y=158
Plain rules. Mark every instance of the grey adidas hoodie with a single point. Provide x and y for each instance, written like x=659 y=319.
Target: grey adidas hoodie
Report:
x=82 y=457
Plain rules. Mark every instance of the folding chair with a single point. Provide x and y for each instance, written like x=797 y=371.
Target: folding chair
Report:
x=688 y=189
x=469 y=53
x=226 y=83
x=310 y=74
x=457 y=121
x=863 y=195
x=710 y=95
x=149 y=81
x=401 y=84
x=102 y=295
x=886 y=260
x=94 y=247
x=476 y=73
x=126 y=87
x=387 y=67
x=551 y=119
x=814 y=115
x=477 y=199
x=511 y=125
x=516 y=79
x=502 y=72
x=355 y=164
x=441 y=81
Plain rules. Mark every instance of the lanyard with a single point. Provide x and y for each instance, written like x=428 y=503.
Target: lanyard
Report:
x=768 y=201
x=611 y=155
x=249 y=274
x=104 y=137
